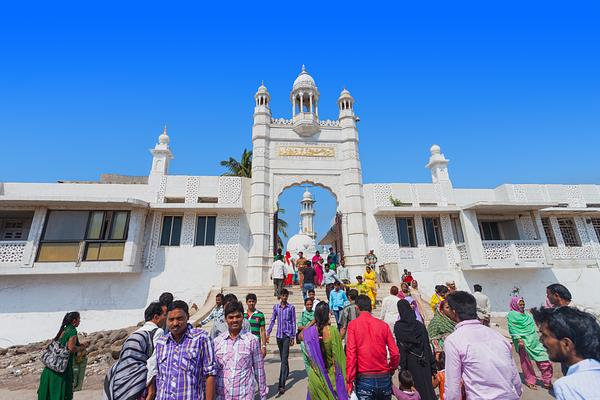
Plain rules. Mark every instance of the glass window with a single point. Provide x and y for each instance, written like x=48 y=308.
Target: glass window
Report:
x=406 y=232
x=65 y=234
x=549 y=232
x=596 y=225
x=457 y=231
x=433 y=232
x=569 y=232
x=489 y=230
x=171 y=231
x=118 y=230
x=95 y=225
x=66 y=225
x=205 y=231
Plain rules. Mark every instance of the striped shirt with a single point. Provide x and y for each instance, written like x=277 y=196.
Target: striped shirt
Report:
x=286 y=324
x=183 y=367
x=240 y=365
x=256 y=320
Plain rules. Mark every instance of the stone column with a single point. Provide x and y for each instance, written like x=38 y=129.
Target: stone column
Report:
x=470 y=225
x=35 y=235
x=135 y=237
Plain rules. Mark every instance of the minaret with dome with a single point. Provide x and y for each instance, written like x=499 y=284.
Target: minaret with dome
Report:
x=305 y=239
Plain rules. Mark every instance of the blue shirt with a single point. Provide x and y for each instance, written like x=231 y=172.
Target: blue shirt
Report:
x=580 y=383
x=337 y=300
x=286 y=321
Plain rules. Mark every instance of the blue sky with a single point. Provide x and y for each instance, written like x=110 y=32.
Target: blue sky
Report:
x=509 y=90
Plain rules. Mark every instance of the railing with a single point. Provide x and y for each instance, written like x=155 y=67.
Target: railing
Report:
x=12 y=252
x=513 y=249
x=584 y=252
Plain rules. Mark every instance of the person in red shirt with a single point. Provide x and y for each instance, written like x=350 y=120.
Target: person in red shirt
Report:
x=368 y=341
x=408 y=278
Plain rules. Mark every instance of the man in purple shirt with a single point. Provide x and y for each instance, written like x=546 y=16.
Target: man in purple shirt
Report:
x=285 y=314
x=477 y=355
x=185 y=359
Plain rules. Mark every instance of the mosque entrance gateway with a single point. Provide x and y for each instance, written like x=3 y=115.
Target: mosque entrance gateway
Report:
x=300 y=150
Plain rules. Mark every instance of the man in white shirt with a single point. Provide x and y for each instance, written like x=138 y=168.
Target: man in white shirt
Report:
x=483 y=305
x=342 y=274
x=278 y=274
x=572 y=337
x=154 y=322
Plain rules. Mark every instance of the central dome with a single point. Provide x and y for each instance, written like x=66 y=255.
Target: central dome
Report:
x=304 y=80
x=303 y=243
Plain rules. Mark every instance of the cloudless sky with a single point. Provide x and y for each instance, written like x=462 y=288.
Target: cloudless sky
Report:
x=510 y=90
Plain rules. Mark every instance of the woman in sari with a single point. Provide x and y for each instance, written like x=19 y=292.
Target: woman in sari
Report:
x=415 y=352
x=423 y=305
x=57 y=385
x=523 y=331
x=327 y=361
x=289 y=266
x=317 y=262
x=440 y=327
x=371 y=282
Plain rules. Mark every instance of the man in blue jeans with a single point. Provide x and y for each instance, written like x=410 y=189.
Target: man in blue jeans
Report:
x=368 y=342
x=309 y=279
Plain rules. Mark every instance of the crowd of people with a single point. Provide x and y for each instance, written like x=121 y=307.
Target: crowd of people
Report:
x=413 y=349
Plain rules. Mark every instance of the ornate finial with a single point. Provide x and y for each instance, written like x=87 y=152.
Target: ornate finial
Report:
x=165 y=129
x=164 y=137
x=262 y=82
x=303 y=69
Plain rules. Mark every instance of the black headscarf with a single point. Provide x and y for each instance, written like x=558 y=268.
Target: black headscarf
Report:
x=408 y=330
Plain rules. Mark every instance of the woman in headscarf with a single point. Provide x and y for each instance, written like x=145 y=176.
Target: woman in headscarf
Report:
x=440 y=327
x=523 y=331
x=59 y=385
x=415 y=352
x=289 y=266
x=424 y=307
x=324 y=350
x=317 y=262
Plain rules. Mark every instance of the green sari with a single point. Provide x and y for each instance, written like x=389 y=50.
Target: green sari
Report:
x=333 y=363
x=56 y=385
x=521 y=326
x=439 y=329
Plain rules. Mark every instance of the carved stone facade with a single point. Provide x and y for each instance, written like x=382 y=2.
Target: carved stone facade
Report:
x=230 y=190
x=227 y=240
x=12 y=252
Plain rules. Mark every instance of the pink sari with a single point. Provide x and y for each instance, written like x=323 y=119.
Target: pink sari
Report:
x=317 y=263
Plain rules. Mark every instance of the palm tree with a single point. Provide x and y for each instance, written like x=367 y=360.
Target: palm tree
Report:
x=281 y=227
x=241 y=168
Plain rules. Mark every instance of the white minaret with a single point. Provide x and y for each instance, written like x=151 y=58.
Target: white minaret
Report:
x=307 y=215
x=161 y=156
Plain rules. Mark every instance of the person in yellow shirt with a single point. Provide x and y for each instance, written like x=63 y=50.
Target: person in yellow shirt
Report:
x=440 y=294
x=371 y=282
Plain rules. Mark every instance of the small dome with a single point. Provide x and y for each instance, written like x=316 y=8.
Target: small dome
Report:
x=262 y=88
x=164 y=138
x=435 y=149
x=307 y=195
x=304 y=80
x=345 y=94
x=303 y=243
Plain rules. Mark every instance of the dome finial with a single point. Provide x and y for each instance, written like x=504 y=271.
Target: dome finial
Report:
x=164 y=136
x=303 y=69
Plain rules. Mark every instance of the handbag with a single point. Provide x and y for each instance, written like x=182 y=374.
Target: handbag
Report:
x=56 y=357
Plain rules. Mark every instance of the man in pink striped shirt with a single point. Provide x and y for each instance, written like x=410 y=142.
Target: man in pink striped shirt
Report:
x=239 y=360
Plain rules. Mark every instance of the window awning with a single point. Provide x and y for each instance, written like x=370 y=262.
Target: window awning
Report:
x=507 y=207
x=432 y=210
x=572 y=210
x=72 y=202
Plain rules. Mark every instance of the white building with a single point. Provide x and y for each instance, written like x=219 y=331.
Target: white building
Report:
x=108 y=248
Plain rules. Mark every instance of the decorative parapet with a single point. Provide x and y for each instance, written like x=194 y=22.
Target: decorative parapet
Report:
x=513 y=249
x=281 y=121
x=289 y=122
x=329 y=122
x=12 y=252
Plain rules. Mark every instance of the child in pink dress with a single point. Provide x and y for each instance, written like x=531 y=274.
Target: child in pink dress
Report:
x=407 y=390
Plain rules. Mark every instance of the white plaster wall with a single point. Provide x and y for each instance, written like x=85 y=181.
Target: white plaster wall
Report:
x=94 y=190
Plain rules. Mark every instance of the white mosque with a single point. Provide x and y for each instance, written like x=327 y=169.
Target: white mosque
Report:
x=305 y=240
x=111 y=246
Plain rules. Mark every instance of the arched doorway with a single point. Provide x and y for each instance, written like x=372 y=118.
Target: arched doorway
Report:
x=304 y=149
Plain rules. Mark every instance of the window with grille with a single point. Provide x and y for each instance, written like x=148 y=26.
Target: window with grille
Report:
x=205 y=230
x=596 y=225
x=568 y=230
x=13 y=230
x=433 y=232
x=171 y=230
x=549 y=232
x=406 y=232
